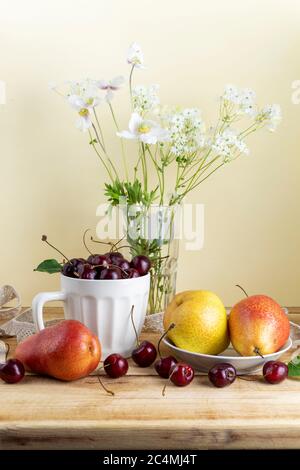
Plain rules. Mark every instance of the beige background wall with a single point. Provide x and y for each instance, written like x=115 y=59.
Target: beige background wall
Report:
x=51 y=181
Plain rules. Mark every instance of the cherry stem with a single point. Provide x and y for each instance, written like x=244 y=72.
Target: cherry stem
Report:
x=115 y=245
x=162 y=337
x=84 y=242
x=247 y=380
x=110 y=392
x=7 y=350
x=102 y=243
x=133 y=324
x=240 y=287
x=163 y=392
x=257 y=351
x=44 y=239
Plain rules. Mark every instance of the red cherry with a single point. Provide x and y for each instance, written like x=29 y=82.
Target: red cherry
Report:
x=182 y=374
x=88 y=272
x=275 y=372
x=114 y=256
x=145 y=354
x=141 y=263
x=97 y=260
x=111 y=273
x=222 y=374
x=115 y=365
x=12 y=371
x=164 y=365
x=131 y=273
x=123 y=264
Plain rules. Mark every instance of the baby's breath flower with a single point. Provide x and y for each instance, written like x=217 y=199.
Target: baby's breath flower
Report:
x=244 y=99
x=145 y=98
x=186 y=131
x=270 y=115
x=227 y=144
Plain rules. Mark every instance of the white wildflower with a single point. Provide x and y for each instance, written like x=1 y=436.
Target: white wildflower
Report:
x=227 y=144
x=146 y=131
x=186 y=131
x=135 y=56
x=270 y=115
x=110 y=86
x=244 y=99
x=145 y=98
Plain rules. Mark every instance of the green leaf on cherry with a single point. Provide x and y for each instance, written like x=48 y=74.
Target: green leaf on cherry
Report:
x=49 y=266
x=294 y=367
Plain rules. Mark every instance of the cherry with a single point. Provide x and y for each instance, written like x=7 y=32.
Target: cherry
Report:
x=98 y=260
x=182 y=374
x=130 y=273
x=111 y=273
x=222 y=374
x=114 y=256
x=89 y=272
x=164 y=365
x=123 y=264
x=275 y=371
x=68 y=270
x=116 y=365
x=141 y=263
x=144 y=354
x=12 y=371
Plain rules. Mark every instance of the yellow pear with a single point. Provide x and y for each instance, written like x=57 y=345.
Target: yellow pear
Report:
x=200 y=322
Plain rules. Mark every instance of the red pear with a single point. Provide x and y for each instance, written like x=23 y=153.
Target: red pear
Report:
x=66 y=351
x=258 y=325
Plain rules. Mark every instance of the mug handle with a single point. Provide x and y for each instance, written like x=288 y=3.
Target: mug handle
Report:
x=38 y=304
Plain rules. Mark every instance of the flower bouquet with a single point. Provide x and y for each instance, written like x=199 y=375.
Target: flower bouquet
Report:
x=173 y=143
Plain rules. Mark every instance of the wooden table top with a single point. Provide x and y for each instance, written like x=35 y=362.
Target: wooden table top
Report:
x=42 y=413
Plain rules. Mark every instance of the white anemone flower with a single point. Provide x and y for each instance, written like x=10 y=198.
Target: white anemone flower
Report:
x=135 y=56
x=83 y=106
x=146 y=131
x=110 y=86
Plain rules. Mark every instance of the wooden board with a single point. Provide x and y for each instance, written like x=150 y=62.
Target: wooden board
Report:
x=41 y=413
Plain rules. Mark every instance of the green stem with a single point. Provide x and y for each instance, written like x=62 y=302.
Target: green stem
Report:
x=100 y=128
x=100 y=157
x=122 y=143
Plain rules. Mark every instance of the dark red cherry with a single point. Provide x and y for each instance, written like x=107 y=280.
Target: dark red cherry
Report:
x=114 y=256
x=111 y=273
x=164 y=365
x=88 y=272
x=141 y=263
x=181 y=374
x=222 y=374
x=275 y=372
x=145 y=354
x=12 y=371
x=69 y=270
x=123 y=264
x=130 y=273
x=115 y=365
x=98 y=260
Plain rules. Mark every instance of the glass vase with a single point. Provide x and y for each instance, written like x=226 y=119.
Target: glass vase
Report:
x=154 y=231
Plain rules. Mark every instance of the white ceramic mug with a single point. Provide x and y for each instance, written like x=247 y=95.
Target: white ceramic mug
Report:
x=103 y=306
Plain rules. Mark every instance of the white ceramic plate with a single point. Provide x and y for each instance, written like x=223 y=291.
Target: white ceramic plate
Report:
x=243 y=364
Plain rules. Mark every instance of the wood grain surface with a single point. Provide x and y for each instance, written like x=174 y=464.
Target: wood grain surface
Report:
x=42 y=413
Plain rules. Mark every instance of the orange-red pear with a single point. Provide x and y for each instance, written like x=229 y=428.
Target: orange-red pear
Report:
x=258 y=325
x=66 y=351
